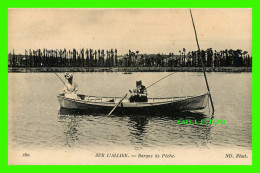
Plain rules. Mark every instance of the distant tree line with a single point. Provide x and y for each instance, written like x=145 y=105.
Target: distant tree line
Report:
x=64 y=58
x=100 y=58
x=223 y=58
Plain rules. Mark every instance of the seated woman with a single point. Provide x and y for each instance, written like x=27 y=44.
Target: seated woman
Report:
x=70 y=89
x=139 y=94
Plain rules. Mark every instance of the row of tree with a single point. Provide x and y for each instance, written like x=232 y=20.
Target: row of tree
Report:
x=64 y=58
x=98 y=58
x=223 y=58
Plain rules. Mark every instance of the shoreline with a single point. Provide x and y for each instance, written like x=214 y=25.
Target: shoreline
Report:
x=126 y=69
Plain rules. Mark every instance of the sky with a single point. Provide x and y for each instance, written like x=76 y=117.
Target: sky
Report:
x=144 y=30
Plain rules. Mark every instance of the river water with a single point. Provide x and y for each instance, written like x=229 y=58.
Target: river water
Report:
x=35 y=120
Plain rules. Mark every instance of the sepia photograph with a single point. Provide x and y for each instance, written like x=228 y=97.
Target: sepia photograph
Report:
x=130 y=86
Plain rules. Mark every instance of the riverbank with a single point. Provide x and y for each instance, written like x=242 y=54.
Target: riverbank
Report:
x=126 y=69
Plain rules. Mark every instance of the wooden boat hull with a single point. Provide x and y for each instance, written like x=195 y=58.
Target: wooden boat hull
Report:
x=106 y=104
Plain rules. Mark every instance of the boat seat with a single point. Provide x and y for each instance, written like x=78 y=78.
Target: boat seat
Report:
x=107 y=100
x=95 y=99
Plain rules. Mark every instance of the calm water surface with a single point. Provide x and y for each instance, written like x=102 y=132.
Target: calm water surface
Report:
x=35 y=120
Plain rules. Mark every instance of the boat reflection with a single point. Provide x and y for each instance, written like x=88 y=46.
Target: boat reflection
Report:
x=148 y=131
x=120 y=112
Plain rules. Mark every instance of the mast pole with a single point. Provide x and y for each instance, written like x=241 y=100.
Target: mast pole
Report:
x=202 y=63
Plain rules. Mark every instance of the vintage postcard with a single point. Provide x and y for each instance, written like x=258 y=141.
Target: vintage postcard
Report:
x=129 y=86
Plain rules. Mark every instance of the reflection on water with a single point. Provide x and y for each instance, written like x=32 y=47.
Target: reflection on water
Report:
x=70 y=125
x=141 y=129
x=168 y=129
x=137 y=128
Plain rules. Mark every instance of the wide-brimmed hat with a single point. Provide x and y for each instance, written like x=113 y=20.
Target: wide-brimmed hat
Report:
x=139 y=82
x=68 y=75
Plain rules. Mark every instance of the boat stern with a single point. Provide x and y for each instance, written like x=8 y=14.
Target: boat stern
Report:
x=66 y=102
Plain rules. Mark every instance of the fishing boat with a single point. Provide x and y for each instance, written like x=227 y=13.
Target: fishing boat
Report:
x=122 y=104
x=105 y=104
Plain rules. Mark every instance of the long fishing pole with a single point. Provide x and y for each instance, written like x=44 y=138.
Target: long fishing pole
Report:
x=58 y=76
x=213 y=110
x=160 y=80
x=60 y=79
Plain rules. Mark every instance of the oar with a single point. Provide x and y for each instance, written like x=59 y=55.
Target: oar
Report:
x=116 y=105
